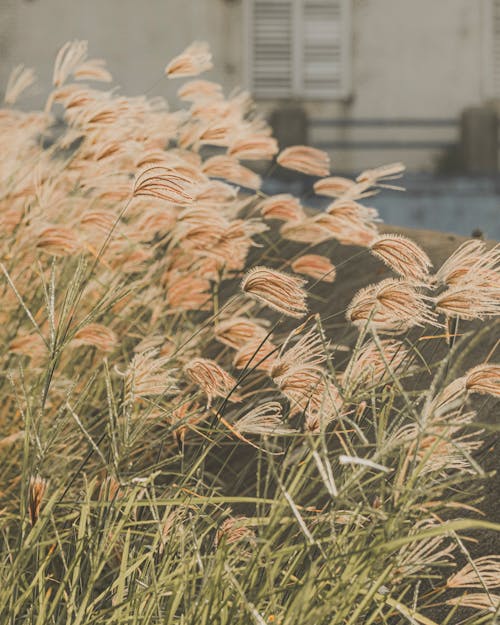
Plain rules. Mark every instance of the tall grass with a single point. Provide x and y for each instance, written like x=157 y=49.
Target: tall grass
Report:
x=188 y=436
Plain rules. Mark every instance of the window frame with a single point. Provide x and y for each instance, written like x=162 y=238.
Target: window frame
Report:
x=298 y=91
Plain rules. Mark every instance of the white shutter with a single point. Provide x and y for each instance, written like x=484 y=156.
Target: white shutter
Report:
x=324 y=48
x=298 y=48
x=271 y=53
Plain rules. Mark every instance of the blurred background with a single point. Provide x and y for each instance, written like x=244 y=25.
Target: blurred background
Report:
x=371 y=81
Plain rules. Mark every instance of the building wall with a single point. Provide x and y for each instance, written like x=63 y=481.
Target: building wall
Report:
x=410 y=58
x=136 y=38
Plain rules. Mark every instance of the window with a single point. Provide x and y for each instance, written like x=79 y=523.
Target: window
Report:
x=298 y=48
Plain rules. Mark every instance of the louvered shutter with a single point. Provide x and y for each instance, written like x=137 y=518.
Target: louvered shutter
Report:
x=271 y=51
x=324 y=48
x=298 y=48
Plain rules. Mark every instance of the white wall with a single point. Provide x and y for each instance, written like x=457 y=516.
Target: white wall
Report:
x=136 y=37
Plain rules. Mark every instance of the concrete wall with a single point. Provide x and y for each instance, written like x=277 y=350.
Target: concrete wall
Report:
x=411 y=58
x=136 y=37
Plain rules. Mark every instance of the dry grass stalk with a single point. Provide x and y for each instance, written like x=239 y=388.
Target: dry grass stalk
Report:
x=477 y=601
x=234 y=530
x=36 y=492
x=482 y=572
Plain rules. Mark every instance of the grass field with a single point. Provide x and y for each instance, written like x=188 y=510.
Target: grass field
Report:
x=196 y=428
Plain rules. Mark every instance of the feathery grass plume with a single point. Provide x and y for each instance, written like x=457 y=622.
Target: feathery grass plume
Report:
x=365 y=185
x=97 y=335
x=218 y=133
x=315 y=266
x=70 y=56
x=390 y=306
x=149 y=374
x=29 y=344
x=305 y=159
x=234 y=530
x=237 y=331
x=379 y=175
x=348 y=224
x=254 y=147
x=376 y=364
x=324 y=403
x=482 y=572
x=185 y=418
x=307 y=353
x=299 y=374
x=277 y=290
x=228 y=168
x=93 y=69
x=19 y=80
x=165 y=184
x=283 y=206
x=57 y=241
x=477 y=601
x=452 y=397
x=263 y=420
x=419 y=556
x=467 y=261
x=403 y=256
x=210 y=377
x=216 y=192
x=196 y=90
x=36 y=492
x=195 y=60
x=469 y=301
x=256 y=353
x=334 y=186
x=352 y=214
x=484 y=379
x=306 y=230
x=188 y=292
x=102 y=220
x=445 y=447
